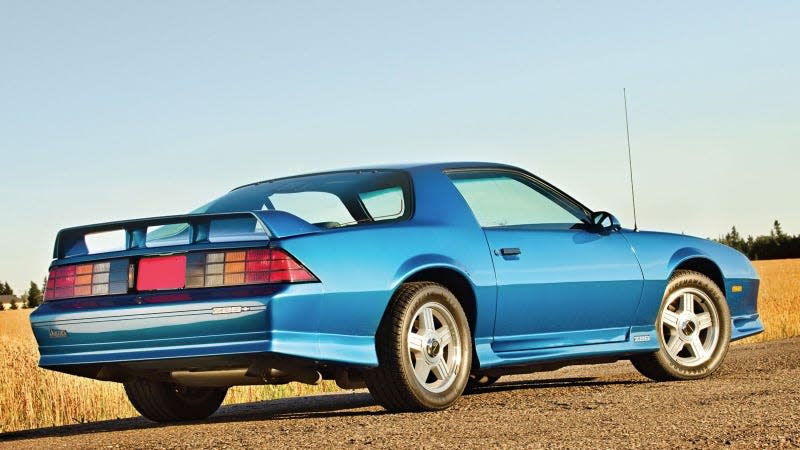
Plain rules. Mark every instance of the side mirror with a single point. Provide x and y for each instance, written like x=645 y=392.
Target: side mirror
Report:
x=605 y=221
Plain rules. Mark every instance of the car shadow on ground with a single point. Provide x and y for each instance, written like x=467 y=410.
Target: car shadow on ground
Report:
x=323 y=405
x=551 y=383
x=350 y=404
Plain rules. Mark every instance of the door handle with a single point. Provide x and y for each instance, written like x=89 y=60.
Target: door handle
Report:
x=510 y=251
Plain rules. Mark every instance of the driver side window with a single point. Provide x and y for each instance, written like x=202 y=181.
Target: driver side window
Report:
x=505 y=199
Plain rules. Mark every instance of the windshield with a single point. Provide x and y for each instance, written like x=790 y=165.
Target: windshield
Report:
x=328 y=200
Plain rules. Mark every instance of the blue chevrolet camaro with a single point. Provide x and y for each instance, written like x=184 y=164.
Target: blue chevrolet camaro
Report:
x=416 y=281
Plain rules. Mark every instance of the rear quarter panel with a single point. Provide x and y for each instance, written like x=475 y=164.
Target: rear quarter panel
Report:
x=361 y=267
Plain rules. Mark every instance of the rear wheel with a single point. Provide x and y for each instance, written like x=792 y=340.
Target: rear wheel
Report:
x=166 y=402
x=693 y=328
x=424 y=350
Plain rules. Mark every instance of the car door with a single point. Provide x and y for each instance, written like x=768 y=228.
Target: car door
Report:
x=560 y=281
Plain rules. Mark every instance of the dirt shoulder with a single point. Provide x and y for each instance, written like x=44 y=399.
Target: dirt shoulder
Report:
x=752 y=402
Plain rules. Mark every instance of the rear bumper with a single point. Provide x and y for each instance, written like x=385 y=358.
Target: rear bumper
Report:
x=193 y=326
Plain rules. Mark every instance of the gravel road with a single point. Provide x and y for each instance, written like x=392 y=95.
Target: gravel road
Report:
x=752 y=402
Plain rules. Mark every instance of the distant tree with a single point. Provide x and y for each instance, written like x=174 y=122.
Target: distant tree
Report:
x=3 y=289
x=23 y=300
x=7 y=289
x=34 y=296
x=14 y=303
x=2 y=306
x=777 y=233
x=734 y=239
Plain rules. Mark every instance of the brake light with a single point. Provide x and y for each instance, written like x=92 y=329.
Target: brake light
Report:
x=85 y=280
x=270 y=265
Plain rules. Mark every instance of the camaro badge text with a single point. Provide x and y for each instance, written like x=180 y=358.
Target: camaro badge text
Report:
x=58 y=333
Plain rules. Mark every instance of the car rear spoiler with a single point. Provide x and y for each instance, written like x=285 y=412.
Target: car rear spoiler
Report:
x=71 y=242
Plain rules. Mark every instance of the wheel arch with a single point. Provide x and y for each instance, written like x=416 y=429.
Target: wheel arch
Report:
x=459 y=284
x=703 y=265
x=456 y=282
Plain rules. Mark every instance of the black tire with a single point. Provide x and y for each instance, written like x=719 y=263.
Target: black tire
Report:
x=481 y=381
x=706 y=295
x=166 y=402
x=394 y=383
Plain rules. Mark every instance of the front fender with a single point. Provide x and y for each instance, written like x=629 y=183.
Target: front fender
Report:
x=660 y=254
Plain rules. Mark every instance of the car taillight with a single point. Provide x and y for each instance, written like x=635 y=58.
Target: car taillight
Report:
x=85 y=280
x=192 y=270
x=230 y=268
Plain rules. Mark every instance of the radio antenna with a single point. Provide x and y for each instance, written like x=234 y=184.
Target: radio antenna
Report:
x=630 y=163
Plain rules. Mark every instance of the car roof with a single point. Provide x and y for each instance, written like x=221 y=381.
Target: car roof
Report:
x=437 y=165
x=411 y=167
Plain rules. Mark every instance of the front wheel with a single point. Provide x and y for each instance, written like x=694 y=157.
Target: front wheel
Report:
x=167 y=402
x=424 y=350
x=693 y=328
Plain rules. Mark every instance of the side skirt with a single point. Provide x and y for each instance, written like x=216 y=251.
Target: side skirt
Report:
x=639 y=339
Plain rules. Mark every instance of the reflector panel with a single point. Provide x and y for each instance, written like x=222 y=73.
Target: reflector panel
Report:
x=161 y=272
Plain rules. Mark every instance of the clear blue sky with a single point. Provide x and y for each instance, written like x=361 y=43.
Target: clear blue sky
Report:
x=114 y=110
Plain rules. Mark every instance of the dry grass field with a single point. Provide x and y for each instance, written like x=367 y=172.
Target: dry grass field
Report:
x=31 y=397
x=778 y=299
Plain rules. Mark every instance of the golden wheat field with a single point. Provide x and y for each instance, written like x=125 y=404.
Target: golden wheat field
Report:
x=32 y=398
x=778 y=299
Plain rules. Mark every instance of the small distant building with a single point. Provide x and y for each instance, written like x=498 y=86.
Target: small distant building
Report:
x=6 y=300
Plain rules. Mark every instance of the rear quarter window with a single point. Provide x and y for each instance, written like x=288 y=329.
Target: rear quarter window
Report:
x=384 y=204
x=328 y=200
x=312 y=206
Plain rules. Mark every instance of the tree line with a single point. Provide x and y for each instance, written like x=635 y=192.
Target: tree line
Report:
x=31 y=298
x=776 y=245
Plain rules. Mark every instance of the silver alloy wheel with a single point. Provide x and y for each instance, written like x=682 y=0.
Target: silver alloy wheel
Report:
x=434 y=347
x=689 y=327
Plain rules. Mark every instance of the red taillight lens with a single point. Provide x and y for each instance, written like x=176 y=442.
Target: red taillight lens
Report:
x=244 y=267
x=85 y=280
x=285 y=269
